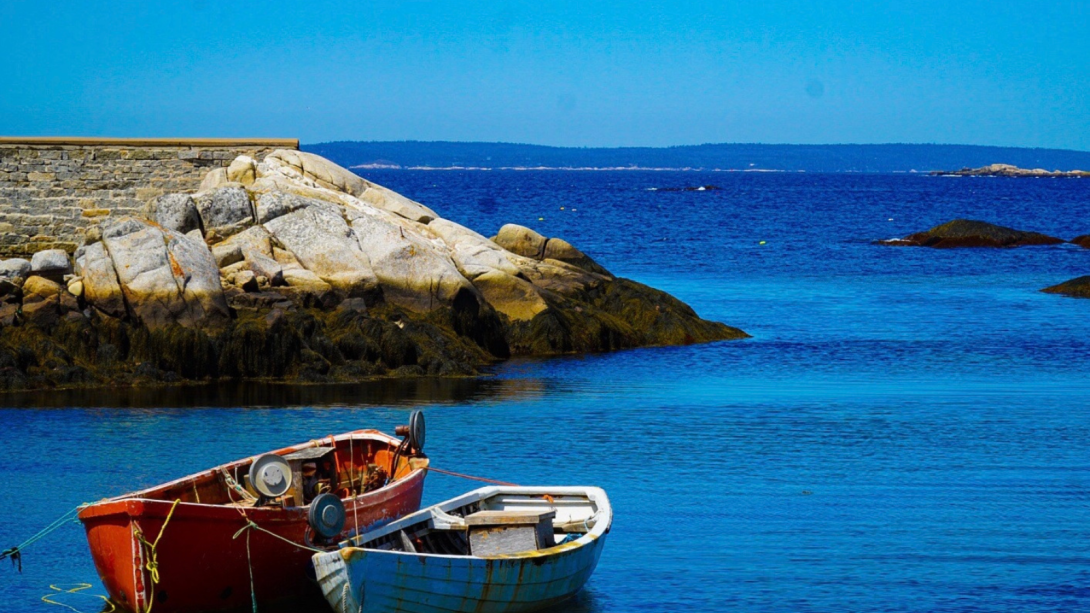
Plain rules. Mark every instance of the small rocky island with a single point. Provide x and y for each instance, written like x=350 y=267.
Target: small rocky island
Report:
x=972 y=233
x=1078 y=287
x=1006 y=170
x=293 y=268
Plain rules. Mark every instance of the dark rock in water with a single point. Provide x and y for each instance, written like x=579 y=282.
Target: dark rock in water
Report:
x=691 y=188
x=1078 y=287
x=970 y=233
x=1082 y=241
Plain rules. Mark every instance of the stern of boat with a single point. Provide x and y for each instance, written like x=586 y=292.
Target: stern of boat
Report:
x=334 y=576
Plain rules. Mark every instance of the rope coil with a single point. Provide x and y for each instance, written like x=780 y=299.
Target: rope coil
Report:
x=74 y=588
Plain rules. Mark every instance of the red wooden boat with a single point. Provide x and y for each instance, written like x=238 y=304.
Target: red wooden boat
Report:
x=182 y=546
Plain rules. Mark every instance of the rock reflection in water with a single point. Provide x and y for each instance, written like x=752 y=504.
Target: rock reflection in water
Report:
x=380 y=392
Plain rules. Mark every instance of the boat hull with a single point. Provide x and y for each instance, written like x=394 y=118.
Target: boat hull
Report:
x=370 y=574
x=378 y=581
x=201 y=558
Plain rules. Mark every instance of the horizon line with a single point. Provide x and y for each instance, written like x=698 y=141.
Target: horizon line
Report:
x=707 y=144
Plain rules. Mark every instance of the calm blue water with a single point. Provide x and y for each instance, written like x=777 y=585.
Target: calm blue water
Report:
x=908 y=430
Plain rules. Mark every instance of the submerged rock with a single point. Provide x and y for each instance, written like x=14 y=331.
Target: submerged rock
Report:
x=244 y=279
x=970 y=233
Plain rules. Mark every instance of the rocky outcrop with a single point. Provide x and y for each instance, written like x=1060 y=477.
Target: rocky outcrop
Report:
x=1007 y=170
x=970 y=233
x=1082 y=241
x=1078 y=287
x=296 y=268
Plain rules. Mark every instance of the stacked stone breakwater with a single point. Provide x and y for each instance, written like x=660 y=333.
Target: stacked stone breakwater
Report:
x=286 y=266
x=53 y=189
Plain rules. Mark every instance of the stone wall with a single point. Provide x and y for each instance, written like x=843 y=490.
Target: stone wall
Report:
x=53 y=189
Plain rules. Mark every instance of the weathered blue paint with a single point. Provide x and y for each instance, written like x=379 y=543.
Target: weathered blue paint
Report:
x=356 y=579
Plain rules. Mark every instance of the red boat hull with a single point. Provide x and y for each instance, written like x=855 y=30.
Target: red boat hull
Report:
x=201 y=557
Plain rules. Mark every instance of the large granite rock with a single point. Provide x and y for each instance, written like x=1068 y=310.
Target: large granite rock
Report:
x=275 y=204
x=521 y=240
x=244 y=279
x=51 y=263
x=325 y=244
x=331 y=176
x=101 y=287
x=516 y=298
x=413 y=271
x=473 y=253
x=971 y=233
x=15 y=270
x=225 y=210
x=161 y=277
x=176 y=212
x=525 y=242
x=243 y=170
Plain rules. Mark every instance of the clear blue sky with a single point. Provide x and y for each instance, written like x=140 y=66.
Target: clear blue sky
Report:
x=557 y=72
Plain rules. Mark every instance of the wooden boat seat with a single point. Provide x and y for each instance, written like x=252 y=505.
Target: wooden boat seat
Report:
x=507 y=532
x=509 y=518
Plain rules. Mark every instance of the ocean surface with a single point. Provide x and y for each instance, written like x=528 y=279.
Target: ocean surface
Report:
x=907 y=430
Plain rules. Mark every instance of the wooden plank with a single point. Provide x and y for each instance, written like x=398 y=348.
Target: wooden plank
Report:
x=502 y=540
x=511 y=517
x=309 y=454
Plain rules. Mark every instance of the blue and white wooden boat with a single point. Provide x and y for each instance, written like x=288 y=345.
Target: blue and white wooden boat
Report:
x=493 y=550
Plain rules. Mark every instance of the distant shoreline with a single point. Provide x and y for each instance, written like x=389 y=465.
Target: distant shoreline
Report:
x=566 y=168
x=724 y=157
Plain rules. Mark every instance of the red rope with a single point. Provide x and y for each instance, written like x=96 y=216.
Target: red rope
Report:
x=454 y=474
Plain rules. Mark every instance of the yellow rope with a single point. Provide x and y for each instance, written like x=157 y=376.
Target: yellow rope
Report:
x=153 y=559
x=73 y=589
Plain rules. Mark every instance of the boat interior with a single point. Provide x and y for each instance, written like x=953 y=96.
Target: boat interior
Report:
x=346 y=465
x=493 y=522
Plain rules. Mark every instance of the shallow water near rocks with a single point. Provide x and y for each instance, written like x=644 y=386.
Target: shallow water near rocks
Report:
x=907 y=430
